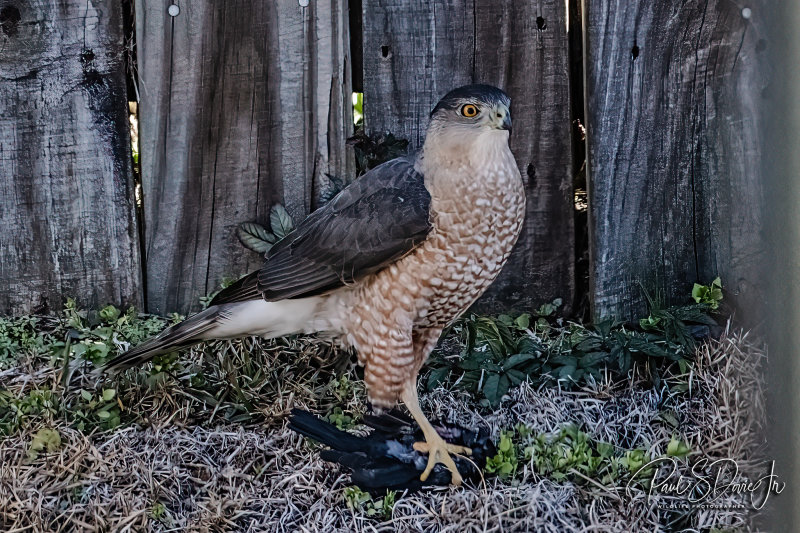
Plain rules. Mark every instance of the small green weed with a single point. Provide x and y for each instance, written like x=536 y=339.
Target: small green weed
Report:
x=359 y=501
x=18 y=335
x=37 y=406
x=95 y=410
x=501 y=352
x=504 y=464
x=45 y=439
x=373 y=151
x=710 y=295
x=161 y=513
x=572 y=454
x=341 y=419
x=347 y=398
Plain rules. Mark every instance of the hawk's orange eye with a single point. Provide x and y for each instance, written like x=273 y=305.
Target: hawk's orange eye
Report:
x=469 y=110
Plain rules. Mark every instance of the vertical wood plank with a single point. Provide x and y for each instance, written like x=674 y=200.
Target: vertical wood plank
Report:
x=67 y=225
x=411 y=59
x=415 y=52
x=673 y=121
x=244 y=104
x=523 y=47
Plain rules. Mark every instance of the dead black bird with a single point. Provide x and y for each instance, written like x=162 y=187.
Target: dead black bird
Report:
x=386 y=458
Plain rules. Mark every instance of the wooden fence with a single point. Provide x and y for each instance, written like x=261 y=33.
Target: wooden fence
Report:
x=243 y=104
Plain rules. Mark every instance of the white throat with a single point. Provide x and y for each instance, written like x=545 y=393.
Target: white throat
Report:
x=457 y=161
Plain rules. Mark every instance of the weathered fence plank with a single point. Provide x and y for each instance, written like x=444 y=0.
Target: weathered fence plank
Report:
x=415 y=52
x=243 y=104
x=67 y=224
x=673 y=92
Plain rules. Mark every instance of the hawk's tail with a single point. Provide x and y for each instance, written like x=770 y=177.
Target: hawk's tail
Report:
x=227 y=321
x=186 y=333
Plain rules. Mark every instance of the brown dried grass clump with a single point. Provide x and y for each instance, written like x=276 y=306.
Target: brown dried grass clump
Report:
x=181 y=465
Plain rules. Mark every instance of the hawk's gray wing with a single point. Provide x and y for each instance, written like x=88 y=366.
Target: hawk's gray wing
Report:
x=372 y=223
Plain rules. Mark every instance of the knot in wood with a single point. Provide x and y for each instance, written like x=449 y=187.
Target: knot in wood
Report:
x=9 y=20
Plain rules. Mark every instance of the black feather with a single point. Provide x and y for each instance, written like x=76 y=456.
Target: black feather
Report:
x=241 y=290
x=386 y=459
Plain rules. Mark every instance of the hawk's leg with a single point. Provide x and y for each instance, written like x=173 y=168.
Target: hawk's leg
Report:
x=438 y=450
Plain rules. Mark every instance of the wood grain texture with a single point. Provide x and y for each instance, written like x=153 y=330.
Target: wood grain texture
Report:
x=415 y=52
x=244 y=104
x=67 y=224
x=674 y=153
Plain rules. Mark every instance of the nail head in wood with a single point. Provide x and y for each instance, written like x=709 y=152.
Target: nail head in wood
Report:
x=173 y=10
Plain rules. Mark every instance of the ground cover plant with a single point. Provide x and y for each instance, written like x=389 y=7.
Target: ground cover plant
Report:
x=199 y=440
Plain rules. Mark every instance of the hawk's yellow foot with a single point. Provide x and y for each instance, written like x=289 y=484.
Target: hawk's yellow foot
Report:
x=438 y=450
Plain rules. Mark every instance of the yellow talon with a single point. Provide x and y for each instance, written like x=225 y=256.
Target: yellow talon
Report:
x=434 y=445
x=439 y=452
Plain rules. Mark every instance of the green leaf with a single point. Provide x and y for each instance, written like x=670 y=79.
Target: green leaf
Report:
x=695 y=314
x=592 y=359
x=517 y=359
x=255 y=237
x=437 y=376
x=280 y=221
x=677 y=448
x=495 y=387
x=625 y=361
x=605 y=449
x=710 y=295
x=109 y=313
x=546 y=310
x=589 y=345
x=562 y=360
x=638 y=344
x=566 y=372
x=108 y=394
x=649 y=323
x=473 y=361
x=505 y=319
x=45 y=438
x=604 y=327
x=523 y=321
x=516 y=376
x=528 y=345
x=669 y=418
x=86 y=395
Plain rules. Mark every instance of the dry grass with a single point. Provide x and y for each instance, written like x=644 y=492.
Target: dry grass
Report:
x=182 y=465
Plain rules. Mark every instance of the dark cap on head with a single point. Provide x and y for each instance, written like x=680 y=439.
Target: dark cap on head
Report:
x=488 y=94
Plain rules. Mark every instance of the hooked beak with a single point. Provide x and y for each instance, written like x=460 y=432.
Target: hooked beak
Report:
x=503 y=120
x=506 y=125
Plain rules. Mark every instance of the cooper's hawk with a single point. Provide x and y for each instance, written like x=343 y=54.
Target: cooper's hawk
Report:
x=389 y=262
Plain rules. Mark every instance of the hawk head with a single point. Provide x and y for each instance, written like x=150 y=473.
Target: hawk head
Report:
x=474 y=106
